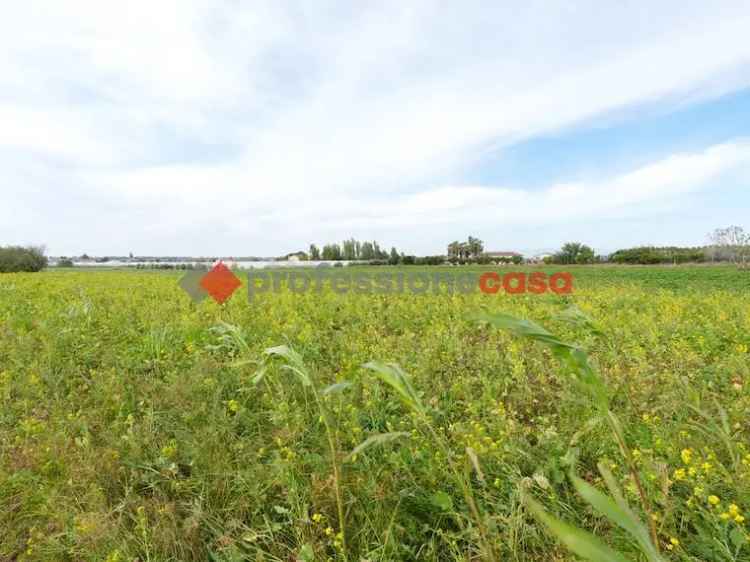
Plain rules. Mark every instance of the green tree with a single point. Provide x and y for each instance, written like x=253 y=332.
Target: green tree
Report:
x=379 y=253
x=453 y=249
x=574 y=253
x=19 y=258
x=732 y=242
x=314 y=252
x=394 y=258
x=368 y=252
x=349 y=249
x=585 y=255
x=472 y=248
x=475 y=246
x=332 y=252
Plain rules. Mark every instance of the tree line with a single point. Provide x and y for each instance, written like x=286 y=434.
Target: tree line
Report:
x=351 y=250
x=731 y=244
x=651 y=255
x=472 y=248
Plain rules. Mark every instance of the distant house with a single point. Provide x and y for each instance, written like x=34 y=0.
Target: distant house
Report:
x=503 y=255
x=540 y=258
x=296 y=256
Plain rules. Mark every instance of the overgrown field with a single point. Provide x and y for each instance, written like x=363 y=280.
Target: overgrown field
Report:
x=135 y=425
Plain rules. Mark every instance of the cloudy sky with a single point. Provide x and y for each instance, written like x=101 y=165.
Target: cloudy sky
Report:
x=254 y=128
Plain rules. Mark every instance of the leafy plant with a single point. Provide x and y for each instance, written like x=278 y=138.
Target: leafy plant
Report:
x=579 y=368
x=294 y=363
x=393 y=376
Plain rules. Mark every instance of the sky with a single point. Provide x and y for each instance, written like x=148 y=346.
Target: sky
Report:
x=192 y=127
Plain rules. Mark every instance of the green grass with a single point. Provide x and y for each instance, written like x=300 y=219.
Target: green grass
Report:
x=133 y=424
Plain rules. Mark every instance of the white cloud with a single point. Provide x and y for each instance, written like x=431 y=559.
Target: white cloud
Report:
x=313 y=113
x=676 y=176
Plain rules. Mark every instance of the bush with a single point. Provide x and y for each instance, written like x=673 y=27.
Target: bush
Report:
x=65 y=262
x=18 y=258
x=648 y=255
x=574 y=253
x=430 y=260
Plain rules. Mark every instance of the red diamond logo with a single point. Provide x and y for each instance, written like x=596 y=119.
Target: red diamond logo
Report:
x=220 y=282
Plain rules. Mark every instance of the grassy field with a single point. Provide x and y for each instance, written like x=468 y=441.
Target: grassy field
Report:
x=135 y=425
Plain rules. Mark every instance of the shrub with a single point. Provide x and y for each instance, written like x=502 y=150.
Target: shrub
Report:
x=430 y=260
x=573 y=253
x=18 y=258
x=649 y=255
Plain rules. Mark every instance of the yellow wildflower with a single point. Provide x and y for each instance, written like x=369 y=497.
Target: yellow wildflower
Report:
x=713 y=500
x=687 y=456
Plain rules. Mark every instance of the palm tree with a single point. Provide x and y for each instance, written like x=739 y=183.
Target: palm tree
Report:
x=476 y=246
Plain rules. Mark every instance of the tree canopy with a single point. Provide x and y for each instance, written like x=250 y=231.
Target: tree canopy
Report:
x=15 y=259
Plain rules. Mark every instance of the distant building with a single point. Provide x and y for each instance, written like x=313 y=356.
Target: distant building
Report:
x=540 y=258
x=503 y=255
x=296 y=256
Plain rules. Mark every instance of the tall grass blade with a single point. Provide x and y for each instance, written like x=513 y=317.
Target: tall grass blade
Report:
x=524 y=328
x=574 y=358
x=392 y=375
x=579 y=542
x=379 y=439
x=294 y=362
x=336 y=388
x=621 y=516
x=575 y=316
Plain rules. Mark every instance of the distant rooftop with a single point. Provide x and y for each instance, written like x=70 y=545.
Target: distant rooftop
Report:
x=502 y=254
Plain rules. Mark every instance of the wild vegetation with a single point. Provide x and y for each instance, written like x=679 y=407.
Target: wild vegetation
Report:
x=14 y=259
x=573 y=253
x=650 y=255
x=611 y=423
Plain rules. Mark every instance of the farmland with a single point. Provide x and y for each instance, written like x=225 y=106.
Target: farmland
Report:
x=136 y=425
